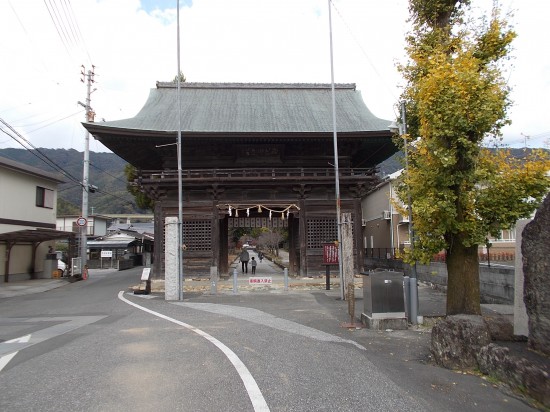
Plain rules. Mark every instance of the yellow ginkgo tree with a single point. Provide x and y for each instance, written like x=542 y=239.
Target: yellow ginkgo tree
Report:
x=455 y=97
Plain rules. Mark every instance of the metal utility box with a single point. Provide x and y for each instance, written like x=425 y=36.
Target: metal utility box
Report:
x=383 y=299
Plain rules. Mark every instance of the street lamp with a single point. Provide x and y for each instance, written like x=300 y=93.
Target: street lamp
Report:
x=401 y=128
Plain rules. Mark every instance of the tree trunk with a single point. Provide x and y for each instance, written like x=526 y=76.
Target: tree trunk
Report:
x=463 y=279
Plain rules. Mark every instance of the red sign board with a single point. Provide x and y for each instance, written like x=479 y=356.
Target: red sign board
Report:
x=260 y=281
x=330 y=254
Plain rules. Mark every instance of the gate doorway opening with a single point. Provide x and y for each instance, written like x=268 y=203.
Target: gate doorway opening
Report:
x=262 y=228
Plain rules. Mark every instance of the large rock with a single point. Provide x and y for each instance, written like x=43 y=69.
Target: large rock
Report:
x=529 y=376
x=457 y=339
x=501 y=328
x=536 y=268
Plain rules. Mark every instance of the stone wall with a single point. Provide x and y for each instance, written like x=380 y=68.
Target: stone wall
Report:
x=536 y=268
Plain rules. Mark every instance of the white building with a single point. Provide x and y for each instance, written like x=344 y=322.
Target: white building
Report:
x=385 y=230
x=27 y=220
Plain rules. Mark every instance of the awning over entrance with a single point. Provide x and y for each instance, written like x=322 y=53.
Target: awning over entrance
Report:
x=34 y=235
x=30 y=236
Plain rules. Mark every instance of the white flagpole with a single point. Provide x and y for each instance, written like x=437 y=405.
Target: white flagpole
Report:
x=336 y=169
x=180 y=183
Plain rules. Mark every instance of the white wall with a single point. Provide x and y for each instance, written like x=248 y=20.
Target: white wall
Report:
x=19 y=199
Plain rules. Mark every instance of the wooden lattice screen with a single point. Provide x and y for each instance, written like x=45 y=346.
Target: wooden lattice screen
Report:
x=320 y=231
x=197 y=235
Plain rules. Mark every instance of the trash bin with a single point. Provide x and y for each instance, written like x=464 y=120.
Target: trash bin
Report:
x=383 y=300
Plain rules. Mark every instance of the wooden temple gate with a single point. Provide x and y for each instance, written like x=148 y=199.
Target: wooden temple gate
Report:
x=303 y=203
x=255 y=147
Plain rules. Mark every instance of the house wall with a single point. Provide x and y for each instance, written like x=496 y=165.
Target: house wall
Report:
x=376 y=231
x=96 y=226
x=380 y=232
x=19 y=201
x=100 y=227
x=18 y=211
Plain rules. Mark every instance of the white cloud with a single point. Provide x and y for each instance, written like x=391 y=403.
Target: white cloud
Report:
x=222 y=41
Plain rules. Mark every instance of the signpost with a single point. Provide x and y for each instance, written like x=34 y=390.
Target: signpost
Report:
x=106 y=254
x=81 y=222
x=330 y=257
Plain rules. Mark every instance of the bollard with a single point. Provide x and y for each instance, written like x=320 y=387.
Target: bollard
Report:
x=407 y=297
x=235 y=287
x=285 y=273
x=351 y=302
x=213 y=280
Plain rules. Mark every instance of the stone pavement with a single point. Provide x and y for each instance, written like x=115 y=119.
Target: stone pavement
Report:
x=27 y=287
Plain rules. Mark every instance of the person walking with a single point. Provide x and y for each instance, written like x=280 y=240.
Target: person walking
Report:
x=253 y=263
x=244 y=258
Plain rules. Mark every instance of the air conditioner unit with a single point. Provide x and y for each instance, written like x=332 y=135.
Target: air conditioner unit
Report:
x=404 y=219
x=363 y=222
x=386 y=215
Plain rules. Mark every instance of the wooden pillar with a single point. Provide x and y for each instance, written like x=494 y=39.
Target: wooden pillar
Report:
x=33 y=259
x=292 y=258
x=216 y=240
x=303 y=237
x=158 y=270
x=224 y=248
x=9 y=245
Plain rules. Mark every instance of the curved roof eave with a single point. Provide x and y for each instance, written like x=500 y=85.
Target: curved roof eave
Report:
x=248 y=108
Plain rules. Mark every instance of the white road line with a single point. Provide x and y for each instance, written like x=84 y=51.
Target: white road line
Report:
x=266 y=319
x=4 y=360
x=254 y=393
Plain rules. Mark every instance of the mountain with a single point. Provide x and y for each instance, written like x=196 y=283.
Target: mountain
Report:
x=396 y=162
x=106 y=172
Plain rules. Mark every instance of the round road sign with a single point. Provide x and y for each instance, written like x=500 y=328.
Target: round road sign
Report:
x=81 y=221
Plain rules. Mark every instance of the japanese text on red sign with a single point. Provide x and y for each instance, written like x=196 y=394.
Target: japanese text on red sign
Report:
x=330 y=254
x=260 y=281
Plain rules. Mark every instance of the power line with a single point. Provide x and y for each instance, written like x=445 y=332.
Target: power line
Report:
x=57 y=28
x=107 y=173
x=354 y=37
x=55 y=121
x=79 y=32
x=52 y=120
x=36 y=152
x=117 y=197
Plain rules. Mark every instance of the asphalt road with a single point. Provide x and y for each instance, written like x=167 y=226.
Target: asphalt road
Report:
x=92 y=346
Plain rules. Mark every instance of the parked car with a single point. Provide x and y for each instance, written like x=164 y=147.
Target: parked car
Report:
x=61 y=266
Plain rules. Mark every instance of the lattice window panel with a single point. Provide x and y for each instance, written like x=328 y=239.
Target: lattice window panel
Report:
x=321 y=231
x=197 y=235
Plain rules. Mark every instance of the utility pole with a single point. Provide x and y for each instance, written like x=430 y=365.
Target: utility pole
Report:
x=87 y=78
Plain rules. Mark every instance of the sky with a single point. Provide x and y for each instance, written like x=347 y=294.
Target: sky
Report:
x=133 y=44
